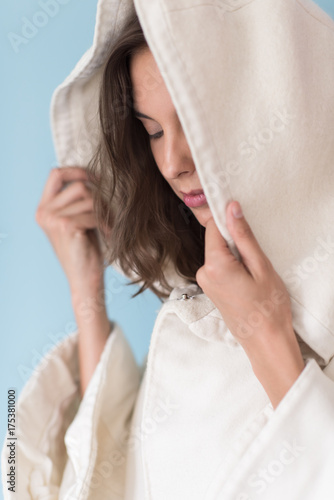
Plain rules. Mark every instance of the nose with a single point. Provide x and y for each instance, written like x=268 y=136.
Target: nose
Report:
x=177 y=158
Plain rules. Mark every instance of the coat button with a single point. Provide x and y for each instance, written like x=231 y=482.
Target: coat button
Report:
x=185 y=296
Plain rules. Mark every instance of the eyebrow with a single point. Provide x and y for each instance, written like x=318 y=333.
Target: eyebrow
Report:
x=141 y=115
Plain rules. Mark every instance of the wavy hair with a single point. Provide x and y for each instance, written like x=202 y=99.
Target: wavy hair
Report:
x=143 y=224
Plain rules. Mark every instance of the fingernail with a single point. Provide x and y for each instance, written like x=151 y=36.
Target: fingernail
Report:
x=236 y=209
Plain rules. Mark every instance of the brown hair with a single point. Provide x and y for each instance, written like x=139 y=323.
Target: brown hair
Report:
x=151 y=225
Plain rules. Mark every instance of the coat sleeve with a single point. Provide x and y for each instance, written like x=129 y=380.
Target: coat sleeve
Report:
x=289 y=452
x=68 y=447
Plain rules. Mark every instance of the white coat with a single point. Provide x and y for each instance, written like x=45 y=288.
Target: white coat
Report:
x=252 y=82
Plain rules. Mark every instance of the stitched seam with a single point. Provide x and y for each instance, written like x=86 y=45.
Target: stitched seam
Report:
x=213 y=4
x=199 y=104
x=314 y=317
x=312 y=14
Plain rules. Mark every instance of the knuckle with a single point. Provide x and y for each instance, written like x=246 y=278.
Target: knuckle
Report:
x=211 y=270
x=82 y=190
x=199 y=274
x=50 y=221
x=56 y=172
x=64 y=224
x=264 y=266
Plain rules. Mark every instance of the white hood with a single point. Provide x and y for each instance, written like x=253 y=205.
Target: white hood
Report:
x=252 y=83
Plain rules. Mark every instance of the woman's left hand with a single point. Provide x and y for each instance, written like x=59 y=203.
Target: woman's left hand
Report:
x=254 y=303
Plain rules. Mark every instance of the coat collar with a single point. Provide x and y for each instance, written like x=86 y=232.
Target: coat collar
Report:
x=196 y=310
x=203 y=318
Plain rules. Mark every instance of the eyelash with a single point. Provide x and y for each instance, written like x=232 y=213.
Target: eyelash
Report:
x=156 y=136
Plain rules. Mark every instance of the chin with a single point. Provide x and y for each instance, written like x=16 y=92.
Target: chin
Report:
x=203 y=215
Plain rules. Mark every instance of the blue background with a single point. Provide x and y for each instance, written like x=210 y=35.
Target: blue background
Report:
x=34 y=294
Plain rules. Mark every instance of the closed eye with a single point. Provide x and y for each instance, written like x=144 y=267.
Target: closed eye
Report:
x=156 y=136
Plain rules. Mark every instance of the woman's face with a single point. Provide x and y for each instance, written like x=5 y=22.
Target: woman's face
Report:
x=168 y=143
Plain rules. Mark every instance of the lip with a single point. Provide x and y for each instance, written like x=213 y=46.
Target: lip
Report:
x=193 y=192
x=194 y=198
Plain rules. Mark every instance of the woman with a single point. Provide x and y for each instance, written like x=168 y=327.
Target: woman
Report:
x=222 y=404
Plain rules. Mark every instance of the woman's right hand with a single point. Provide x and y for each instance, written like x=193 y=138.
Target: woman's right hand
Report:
x=67 y=218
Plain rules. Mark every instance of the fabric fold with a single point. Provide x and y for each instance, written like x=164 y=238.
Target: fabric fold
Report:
x=288 y=455
x=51 y=416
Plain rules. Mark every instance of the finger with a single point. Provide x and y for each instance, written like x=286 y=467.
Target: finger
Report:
x=84 y=221
x=251 y=252
x=77 y=190
x=215 y=245
x=77 y=208
x=58 y=177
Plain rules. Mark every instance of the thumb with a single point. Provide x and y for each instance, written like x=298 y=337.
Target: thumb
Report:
x=243 y=236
